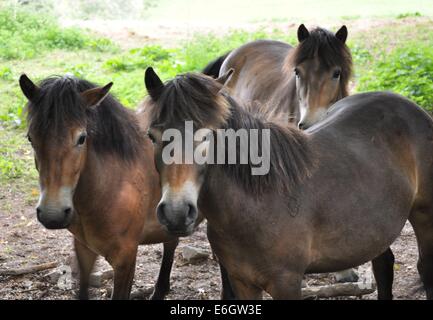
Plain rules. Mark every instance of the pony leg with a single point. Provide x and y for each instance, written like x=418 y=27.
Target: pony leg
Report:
x=86 y=260
x=286 y=287
x=425 y=270
x=244 y=291
x=124 y=269
x=383 y=269
x=162 y=286
x=422 y=223
x=227 y=290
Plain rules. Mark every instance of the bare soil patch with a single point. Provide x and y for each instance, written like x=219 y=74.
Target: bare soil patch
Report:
x=24 y=242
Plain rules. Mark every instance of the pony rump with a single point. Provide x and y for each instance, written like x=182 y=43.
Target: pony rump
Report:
x=191 y=97
x=111 y=127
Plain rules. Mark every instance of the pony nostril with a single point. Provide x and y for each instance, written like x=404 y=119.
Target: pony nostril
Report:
x=161 y=214
x=301 y=125
x=67 y=211
x=192 y=214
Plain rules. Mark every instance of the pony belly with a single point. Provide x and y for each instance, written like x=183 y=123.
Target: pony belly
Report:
x=334 y=266
x=338 y=258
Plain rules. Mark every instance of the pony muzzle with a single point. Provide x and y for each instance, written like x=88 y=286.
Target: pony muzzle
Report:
x=177 y=210
x=178 y=217
x=54 y=218
x=55 y=211
x=308 y=118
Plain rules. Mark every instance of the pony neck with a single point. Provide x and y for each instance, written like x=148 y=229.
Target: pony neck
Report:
x=289 y=155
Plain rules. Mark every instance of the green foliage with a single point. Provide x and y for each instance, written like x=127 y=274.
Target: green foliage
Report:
x=408 y=14
x=12 y=104
x=15 y=156
x=406 y=70
x=360 y=54
x=9 y=168
x=139 y=58
x=5 y=73
x=25 y=35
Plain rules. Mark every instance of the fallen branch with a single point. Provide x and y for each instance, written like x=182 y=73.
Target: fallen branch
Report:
x=339 y=289
x=25 y=270
x=29 y=290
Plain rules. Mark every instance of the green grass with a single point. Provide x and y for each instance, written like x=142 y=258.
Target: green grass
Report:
x=406 y=70
x=396 y=57
x=26 y=35
x=16 y=159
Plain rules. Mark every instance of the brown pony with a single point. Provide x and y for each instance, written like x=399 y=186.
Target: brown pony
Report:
x=302 y=82
x=336 y=195
x=97 y=178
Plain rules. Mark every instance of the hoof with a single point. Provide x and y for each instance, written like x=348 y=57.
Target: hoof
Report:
x=157 y=295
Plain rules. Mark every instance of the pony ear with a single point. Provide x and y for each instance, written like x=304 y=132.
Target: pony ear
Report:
x=341 y=34
x=95 y=96
x=28 y=87
x=153 y=84
x=226 y=77
x=303 y=33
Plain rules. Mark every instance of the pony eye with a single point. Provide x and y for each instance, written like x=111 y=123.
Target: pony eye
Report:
x=336 y=74
x=297 y=74
x=81 y=140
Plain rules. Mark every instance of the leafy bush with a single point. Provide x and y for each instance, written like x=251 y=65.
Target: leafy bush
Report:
x=139 y=58
x=408 y=14
x=26 y=35
x=406 y=70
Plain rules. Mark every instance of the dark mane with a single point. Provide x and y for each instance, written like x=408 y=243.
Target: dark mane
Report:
x=290 y=157
x=330 y=50
x=200 y=99
x=111 y=128
x=183 y=99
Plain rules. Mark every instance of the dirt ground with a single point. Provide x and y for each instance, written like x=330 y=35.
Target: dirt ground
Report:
x=26 y=242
